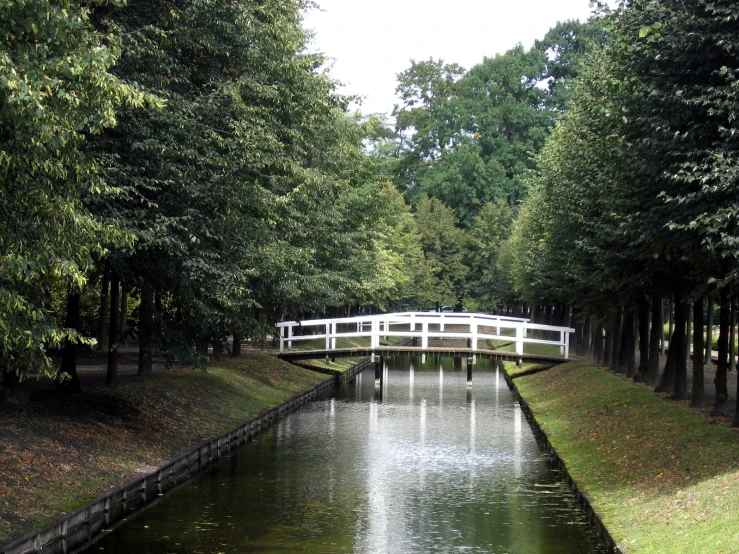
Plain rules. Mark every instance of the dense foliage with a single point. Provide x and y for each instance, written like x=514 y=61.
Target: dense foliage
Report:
x=187 y=165
x=636 y=194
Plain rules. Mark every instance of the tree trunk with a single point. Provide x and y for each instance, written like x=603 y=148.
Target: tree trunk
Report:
x=655 y=347
x=732 y=339
x=14 y=391
x=616 y=343
x=70 y=382
x=688 y=331
x=608 y=345
x=643 y=338
x=720 y=406
x=236 y=346
x=123 y=325
x=598 y=343
x=104 y=307
x=202 y=346
x=627 y=356
x=682 y=314
x=586 y=337
x=575 y=346
x=698 y=395
x=667 y=380
x=146 y=329
x=115 y=302
x=217 y=350
x=709 y=333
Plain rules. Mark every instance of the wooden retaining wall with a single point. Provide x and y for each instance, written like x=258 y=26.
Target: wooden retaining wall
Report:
x=585 y=503
x=77 y=529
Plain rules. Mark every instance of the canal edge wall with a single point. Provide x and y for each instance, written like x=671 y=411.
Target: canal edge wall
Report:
x=558 y=463
x=79 y=528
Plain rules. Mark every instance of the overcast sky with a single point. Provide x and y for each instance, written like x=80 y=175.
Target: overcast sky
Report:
x=370 y=42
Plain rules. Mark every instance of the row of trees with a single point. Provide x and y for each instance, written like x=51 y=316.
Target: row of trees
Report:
x=186 y=164
x=635 y=197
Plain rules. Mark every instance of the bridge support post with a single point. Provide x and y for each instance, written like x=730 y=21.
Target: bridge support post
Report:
x=378 y=370
x=328 y=339
x=469 y=371
x=519 y=344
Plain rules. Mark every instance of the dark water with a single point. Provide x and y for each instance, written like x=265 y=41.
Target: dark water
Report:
x=426 y=466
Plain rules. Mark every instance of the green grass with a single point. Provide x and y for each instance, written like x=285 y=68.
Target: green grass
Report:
x=514 y=371
x=58 y=454
x=665 y=479
x=532 y=348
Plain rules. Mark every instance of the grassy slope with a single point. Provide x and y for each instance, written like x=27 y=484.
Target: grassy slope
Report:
x=57 y=455
x=663 y=477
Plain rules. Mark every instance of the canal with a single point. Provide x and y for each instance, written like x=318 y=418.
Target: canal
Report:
x=422 y=465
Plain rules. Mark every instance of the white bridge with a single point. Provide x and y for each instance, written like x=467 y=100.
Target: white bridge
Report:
x=480 y=332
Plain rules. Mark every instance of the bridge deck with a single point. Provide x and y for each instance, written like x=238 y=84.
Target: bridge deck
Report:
x=451 y=352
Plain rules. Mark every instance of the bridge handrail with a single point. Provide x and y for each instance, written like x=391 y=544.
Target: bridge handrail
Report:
x=380 y=326
x=403 y=317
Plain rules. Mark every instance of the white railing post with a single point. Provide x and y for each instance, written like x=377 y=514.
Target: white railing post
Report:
x=413 y=322
x=425 y=335
x=519 y=339
x=441 y=325
x=282 y=339
x=289 y=336
x=375 y=339
x=473 y=328
x=328 y=336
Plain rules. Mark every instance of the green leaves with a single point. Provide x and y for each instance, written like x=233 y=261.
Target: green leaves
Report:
x=56 y=87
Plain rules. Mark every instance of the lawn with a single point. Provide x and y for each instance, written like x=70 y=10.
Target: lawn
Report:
x=59 y=453
x=664 y=478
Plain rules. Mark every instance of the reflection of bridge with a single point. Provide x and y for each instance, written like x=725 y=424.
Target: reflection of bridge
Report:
x=432 y=333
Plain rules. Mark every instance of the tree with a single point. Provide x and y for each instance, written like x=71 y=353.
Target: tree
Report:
x=443 y=244
x=56 y=90
x=487 y=283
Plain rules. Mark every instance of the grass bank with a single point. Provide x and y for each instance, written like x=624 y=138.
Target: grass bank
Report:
x=58 y=454
x=664 y=479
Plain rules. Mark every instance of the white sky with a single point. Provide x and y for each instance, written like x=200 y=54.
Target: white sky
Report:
x=371 y=42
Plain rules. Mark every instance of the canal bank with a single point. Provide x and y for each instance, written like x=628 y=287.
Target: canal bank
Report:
x=420 y=463
x=661 y=478
x=72 y=466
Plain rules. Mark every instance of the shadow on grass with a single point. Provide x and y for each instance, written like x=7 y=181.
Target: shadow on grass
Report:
x=632 y=437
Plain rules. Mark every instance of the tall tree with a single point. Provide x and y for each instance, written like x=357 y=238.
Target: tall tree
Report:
x=55 y=90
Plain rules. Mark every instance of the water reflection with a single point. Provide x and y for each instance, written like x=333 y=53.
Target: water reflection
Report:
x=442 y=468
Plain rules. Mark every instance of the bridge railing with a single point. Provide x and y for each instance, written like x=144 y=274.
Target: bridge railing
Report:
x=418 y=325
